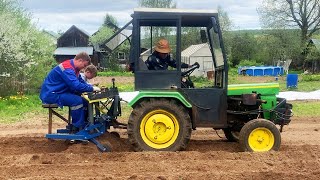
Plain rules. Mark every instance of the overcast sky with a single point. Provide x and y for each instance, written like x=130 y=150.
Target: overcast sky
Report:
x=59 y=15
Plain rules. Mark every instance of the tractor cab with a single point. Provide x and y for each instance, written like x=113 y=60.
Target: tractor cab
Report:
x=183 y=29
x=189 y=32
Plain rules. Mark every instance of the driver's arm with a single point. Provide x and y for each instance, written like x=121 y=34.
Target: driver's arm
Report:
x=151 y=63
x=184 y=65
x=173 y=63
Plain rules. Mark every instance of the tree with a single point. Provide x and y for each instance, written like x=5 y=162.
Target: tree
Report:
x=304 y=14
x=24 y=51
x=225 y=25
x=157 y=31
x=242 y=48
x=313 y=58
x=224 y=20
x=110 y=21
x=277 y=44
x=157 y=3
x=107 y=29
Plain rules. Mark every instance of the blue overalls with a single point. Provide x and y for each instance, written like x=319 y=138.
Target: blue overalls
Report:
x=62 y=87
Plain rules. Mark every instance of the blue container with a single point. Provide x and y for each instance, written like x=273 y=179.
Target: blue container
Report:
x=258 y=71
x=276 y=71
x=268 y=71
x=292 y=80
x=249 y=72
x=281 y=71
x=261 y=70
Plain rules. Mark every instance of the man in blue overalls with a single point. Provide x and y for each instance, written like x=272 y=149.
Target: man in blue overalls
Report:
x=62 y=87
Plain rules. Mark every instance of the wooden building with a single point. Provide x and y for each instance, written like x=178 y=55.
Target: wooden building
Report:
x=313 y=56
x=72 y=42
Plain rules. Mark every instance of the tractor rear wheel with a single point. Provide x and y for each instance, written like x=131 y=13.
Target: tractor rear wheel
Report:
x=159 y=125
x=260 y=135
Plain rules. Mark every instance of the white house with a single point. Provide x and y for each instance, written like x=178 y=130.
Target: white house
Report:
x=199 y=53
x=195 y=53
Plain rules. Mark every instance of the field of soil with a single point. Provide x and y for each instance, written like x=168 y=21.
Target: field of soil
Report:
x=26 y=154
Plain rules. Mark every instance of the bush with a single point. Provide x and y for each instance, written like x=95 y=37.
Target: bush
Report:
x=308 y=78
x=249 y=63
x=24 y=51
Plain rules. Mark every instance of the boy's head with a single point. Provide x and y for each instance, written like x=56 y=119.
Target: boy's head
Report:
x=90 y=71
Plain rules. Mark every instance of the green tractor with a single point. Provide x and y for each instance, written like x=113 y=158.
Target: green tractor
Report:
x=168 y=106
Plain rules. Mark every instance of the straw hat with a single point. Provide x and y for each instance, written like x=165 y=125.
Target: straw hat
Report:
x=162 y=46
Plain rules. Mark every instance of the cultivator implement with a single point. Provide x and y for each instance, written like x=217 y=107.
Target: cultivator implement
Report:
x=103 y=109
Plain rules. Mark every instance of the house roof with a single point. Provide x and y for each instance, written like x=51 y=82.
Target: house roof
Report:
x=316 y=43
x=73 y=50
x=51 y=34
x=74 y=27
x=193 y=49
x=147 y=52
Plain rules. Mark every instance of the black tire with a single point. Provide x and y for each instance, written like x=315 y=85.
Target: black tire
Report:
x=260 y=135
x=232 y=136
x=115 y=134
x=159 y=125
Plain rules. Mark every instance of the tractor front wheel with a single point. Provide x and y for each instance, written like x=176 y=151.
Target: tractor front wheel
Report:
x=260 y=135
x=159 y=125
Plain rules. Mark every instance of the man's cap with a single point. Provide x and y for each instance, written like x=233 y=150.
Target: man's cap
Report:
x=162 y=46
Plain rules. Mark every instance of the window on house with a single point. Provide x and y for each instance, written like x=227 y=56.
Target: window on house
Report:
x=121 y=55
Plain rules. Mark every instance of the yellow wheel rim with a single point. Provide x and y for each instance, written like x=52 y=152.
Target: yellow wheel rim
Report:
x=261 y=139
x=159 y=129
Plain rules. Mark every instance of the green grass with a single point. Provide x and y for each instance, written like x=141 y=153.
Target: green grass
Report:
x=122 y=87
x=306 y=108
x=306 y=83
x=302 y=86
x=126 y=111
x=201 y=82
x=115 y=73
x=309 y=77
x=15 y=108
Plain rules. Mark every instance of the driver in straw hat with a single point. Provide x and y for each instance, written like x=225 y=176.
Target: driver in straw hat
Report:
x=160 y=59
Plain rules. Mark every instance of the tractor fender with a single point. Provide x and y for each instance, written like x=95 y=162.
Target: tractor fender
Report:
x=160 y=94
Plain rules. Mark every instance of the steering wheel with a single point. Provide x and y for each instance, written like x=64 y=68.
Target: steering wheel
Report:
x=187 y=73
x=185 y=76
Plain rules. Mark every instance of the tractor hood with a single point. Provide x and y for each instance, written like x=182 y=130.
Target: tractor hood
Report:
x=259 y=88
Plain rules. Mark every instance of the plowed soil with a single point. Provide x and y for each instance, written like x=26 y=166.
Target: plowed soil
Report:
x=26 y=154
